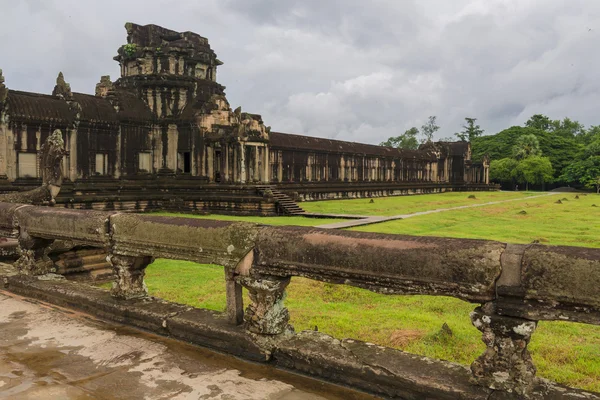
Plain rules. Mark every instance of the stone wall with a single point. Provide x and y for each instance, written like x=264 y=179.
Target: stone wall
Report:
x=512 y=287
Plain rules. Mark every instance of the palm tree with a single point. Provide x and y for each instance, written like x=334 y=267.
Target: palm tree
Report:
x=526 y=146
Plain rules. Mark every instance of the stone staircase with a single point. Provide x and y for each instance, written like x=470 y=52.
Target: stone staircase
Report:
x=83 y=264
x=285 y=204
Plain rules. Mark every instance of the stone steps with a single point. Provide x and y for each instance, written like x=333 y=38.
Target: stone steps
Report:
x=285 y=204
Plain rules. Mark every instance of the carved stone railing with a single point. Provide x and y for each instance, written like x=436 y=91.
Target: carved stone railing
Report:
x=514 y=286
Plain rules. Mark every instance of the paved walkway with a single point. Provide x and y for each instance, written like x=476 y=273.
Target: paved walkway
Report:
x=50 y=353
x=375 y=219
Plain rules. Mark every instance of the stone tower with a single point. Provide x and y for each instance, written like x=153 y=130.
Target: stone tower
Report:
x=167 y=69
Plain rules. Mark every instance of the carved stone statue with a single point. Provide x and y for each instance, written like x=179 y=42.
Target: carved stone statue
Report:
x=51 y=155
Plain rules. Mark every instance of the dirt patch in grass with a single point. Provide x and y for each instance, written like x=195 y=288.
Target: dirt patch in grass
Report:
x=402 y=338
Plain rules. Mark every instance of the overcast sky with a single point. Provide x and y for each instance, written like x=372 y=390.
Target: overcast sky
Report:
x=348 y=69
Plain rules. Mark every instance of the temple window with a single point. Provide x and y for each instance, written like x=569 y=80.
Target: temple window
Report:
x=184 y=162
x=27 y=165
x=101 y=164
x=144 y=162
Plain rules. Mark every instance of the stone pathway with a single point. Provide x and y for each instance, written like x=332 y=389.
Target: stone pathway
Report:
x=47 y=352
x=375 y=219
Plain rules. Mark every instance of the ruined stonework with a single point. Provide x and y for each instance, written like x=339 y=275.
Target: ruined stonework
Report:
x=266 y=314
x=129 y=276
x=506 y=364
x=166 y=125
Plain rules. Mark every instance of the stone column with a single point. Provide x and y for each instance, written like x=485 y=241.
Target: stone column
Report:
x=33 y=255
x=242 y=178
x=129 y=276
x=266 y=165
x=280 y=167
x=225 y=161
x=256 y=175
x=210 y=163
x=506 y=363
x=266 y=314
x=235 y=160
x=235 y=302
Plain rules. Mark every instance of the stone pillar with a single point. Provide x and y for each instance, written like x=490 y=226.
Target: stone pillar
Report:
x=266 y=314
x=210 y=163
x=225 y=161
x=256 y=174
x=266 y=165
x=33 y=255
x=235 y=302
x=280 y=167
x=129 y=276
x=506 y=363
x=116 y=161
x=243 y=169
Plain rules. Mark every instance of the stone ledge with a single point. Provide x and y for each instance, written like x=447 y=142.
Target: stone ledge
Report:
x=374 y=369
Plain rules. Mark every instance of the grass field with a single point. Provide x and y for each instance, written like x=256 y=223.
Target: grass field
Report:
x=568 y=353
x=298 y=221
x=407 y=204
x=573 y=223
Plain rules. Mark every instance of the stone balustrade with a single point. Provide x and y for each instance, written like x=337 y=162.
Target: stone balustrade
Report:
x=513 y=286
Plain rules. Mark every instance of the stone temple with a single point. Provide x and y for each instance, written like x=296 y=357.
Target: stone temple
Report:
x=163 y=135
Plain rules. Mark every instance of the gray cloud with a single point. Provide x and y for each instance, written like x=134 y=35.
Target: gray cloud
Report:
x=347 y=69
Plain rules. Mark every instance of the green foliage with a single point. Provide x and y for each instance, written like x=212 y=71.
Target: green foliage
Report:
x=559 y=149
x=585 y=172
x=129 y=49
x=408 y=140
x=526 y=146
x=503 y=170
x=539 y=121
x=534 y=169
x=470 y=130
x=429 y=129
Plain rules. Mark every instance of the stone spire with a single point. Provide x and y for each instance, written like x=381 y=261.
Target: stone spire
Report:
x=104 y=87
x=62 y=88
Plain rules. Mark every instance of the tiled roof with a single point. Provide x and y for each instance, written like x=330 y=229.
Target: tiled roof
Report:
x=38 y=107
x=299 y=142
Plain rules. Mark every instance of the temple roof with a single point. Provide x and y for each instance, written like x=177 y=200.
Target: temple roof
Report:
x=299 y=142
x=38 y=107
x=95 y=109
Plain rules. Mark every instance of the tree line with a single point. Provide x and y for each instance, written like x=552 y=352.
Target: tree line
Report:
x=542 y=151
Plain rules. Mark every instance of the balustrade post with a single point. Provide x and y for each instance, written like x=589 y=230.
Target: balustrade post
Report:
x=266 y=314
x=506 y=363
x=129 y=276
x=33 y=255
x=235 y=302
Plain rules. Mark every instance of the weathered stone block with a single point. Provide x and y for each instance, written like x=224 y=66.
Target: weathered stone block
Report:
x=200 y=240
x=506 y=364
x=389 y=264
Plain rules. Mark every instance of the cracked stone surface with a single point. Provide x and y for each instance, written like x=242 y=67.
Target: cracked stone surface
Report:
x=506 y=363
x=48 y=352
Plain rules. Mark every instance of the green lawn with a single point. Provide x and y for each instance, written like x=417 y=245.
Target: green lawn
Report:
x=298 y=221
x=565 y=352
x=575 y=222
x=397 y=205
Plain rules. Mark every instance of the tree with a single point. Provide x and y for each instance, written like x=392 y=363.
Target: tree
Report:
x=470 y=130
x=408 y=140
x=534 y=169
x=585 y=172
x=539 y=121
x=429 y=129
x=561 y=150
x=526 y=146
x=503 y=170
